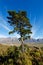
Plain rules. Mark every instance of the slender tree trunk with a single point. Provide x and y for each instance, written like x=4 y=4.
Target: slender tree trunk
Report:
x=22 y=44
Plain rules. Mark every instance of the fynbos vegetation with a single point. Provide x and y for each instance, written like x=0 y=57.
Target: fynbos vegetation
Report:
x=14 y=56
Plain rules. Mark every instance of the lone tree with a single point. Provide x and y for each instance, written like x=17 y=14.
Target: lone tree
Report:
x=20 y=23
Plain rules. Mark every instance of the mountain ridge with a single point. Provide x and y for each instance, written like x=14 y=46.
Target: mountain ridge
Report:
x=16 y=40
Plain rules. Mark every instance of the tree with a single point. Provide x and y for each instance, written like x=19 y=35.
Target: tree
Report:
x=20 y=23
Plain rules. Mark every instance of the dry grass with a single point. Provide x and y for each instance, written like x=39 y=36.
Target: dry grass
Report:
x=35 y=44
x=4 y=47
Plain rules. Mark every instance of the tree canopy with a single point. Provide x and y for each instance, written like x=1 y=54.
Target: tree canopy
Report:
x=20 y=23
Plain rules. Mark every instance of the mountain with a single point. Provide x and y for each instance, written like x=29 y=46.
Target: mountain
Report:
x=15 y=40
x=34 y=41
x=40 y=40
x=9 y=40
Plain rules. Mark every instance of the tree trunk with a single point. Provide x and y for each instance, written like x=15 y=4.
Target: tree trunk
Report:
x=22 y=44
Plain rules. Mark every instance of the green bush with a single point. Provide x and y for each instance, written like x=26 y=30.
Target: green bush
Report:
x=37 y=54
x=15 y=56
x=42 y=48
x=40 y=63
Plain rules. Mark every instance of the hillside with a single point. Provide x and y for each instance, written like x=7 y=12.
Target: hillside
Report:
x=11 y=52
x=13 y=55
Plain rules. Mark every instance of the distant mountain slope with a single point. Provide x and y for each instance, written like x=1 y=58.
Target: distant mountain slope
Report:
x=34 y=41
x=9 y=40
x=15 y=40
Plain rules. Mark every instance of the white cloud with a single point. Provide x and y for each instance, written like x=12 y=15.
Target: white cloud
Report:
x=33 y=32
x=2 y=25
x=35 y=28
x=2 y=21
x=5 y=36
x=2 y=36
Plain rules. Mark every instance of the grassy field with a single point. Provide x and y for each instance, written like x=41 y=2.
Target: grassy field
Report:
x=18 y=44
x=35 y=44
x=12 y=54
x=4 y=47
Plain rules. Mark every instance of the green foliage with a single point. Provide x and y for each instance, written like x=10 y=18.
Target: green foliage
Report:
x=25 y=59
x=14 y=56
x=42 y=48
x=10 y=61
x=37 y=54
x=40 y=63
x=20 y=23
x=11 y=50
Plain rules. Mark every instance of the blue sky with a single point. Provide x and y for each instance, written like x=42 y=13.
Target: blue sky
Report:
x=34 y=10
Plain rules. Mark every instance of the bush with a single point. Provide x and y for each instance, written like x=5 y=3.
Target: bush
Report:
x=42 y=48
x=37 y=54
x=40 y=63
x=15 y=56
